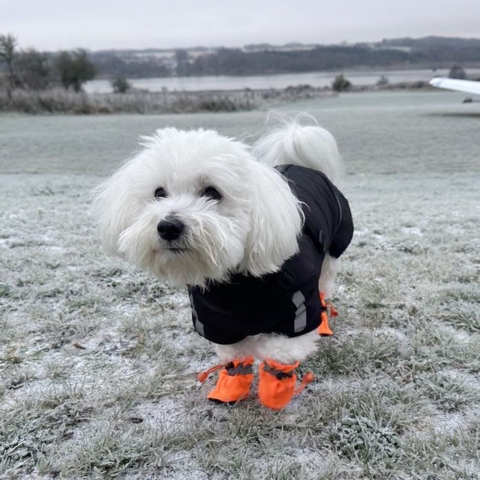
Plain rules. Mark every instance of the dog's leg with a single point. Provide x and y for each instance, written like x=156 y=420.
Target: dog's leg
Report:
x=280 y=348
x=236 y=376
x=326 y=286
x=228 y=353
x=280 y=357
x=330 y=269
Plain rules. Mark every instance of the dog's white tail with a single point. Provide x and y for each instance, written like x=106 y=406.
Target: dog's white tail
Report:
x=305 y=145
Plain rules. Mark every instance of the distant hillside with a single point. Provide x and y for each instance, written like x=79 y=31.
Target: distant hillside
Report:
x=432 y=52
x=438 y=49
x=432 y=42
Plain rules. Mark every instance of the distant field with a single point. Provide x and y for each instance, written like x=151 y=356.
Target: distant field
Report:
x=97 y=360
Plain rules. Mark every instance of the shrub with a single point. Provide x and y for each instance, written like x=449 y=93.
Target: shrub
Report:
x=383 y=81
x=457 y=72
x=121 y=85
x=341 y=84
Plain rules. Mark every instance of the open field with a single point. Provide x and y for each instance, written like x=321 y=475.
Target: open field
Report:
x=98 y=361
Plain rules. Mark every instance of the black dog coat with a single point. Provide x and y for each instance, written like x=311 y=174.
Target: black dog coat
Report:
x=285 y=302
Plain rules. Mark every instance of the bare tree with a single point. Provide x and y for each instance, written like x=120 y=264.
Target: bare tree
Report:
x=8 y=44
x=75 y=69
x=33 y=69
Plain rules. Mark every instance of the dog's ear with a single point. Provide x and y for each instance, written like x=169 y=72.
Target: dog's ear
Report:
x=276 y=222
x=113 y=207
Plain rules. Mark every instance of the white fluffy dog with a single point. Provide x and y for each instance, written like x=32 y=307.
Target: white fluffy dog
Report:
x=198 y=209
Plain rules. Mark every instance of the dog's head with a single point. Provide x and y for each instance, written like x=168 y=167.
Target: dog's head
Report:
x=194 y=206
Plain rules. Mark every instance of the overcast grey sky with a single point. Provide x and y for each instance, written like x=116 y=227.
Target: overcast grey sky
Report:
x=102 y=24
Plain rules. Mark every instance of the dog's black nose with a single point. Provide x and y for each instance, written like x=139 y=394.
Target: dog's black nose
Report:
x=170 y=228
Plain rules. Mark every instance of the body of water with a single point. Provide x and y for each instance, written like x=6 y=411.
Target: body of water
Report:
x=262 y=82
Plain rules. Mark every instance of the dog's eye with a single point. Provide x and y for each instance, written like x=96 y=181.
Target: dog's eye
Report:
x=212 y=193
x=160 y=193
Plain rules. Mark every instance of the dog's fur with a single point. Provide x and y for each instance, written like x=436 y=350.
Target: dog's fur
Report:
x=253 y=228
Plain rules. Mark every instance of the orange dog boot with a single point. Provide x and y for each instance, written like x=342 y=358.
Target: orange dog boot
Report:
x=276 y=385
x=233 y=382
x=324 y=328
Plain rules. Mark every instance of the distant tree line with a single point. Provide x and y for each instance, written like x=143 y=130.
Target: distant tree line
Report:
x=227 y=61
x=261 y=60
x=112 y=64
x=238 y=62
x=31 y=69
x=34 y=70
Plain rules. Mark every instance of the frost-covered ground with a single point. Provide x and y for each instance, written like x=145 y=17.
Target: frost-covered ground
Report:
x=98 y=361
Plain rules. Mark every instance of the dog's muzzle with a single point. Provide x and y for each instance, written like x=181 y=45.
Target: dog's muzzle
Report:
x=170 y=228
